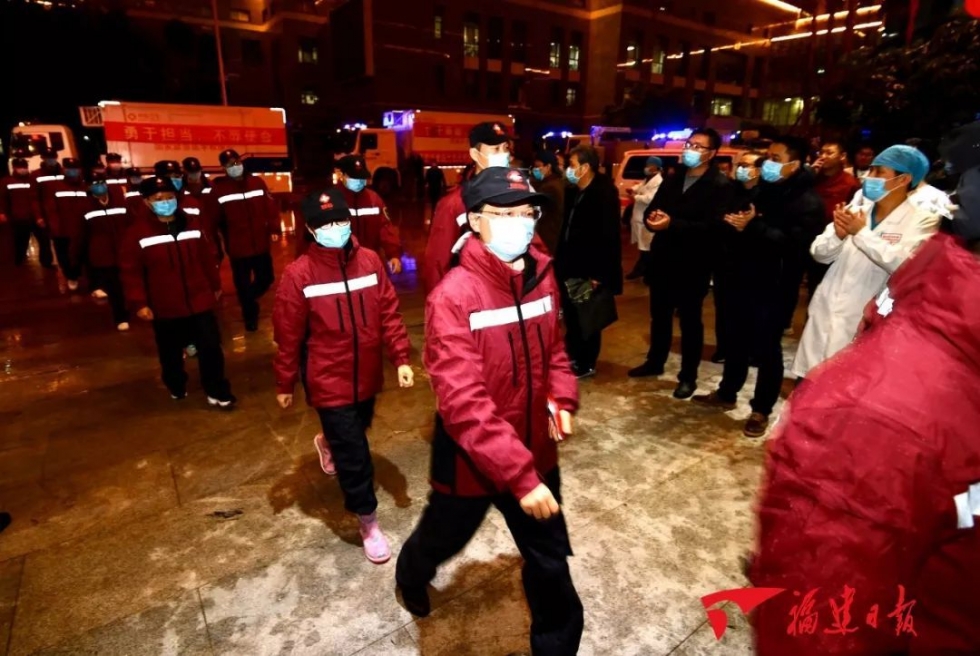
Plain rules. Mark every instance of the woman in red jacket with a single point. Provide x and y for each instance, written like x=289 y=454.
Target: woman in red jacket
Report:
x=106 y=223
x=505 y=392
x=335 y=312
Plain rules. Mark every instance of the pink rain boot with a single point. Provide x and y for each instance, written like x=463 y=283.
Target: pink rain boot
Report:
x=375 y=543
x=326 y=460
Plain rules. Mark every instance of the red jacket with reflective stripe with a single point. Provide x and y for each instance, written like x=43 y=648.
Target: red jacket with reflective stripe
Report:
x=65 y=207
x=170 y=269
x=335 y=312
x=444 y=232
x=44 y=183
x=246 y=214
x=18 y=198
x=494 y=353
x=371 y=224
x=873 y=476
x=198 y=196
x=118 y=186
x=105 y=231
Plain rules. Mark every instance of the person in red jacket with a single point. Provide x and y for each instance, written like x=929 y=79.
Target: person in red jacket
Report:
x=66 y=202
x=115 y=177
x=873 y=484
x=371 y=224
x=19 y=206
x=505 y=392
x=131 y=194
x=489 y=146
x=246 y=215
x=197 y=187
x=335 y=312
x=170 y=277
x=45 y=179
x=106 y=223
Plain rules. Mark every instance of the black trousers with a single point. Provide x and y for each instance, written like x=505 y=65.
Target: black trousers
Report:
x=345 y=430
x=253 y=276
x=108 y=280
x=725 y=311
x=449 y=522
x=582 y=351
x=69 y=264
x=792 y=279
x=686 y=297
x=757 y=330
x=22 y=240
x=172 y=335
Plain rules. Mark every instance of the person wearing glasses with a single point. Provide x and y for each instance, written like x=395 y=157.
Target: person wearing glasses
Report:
x=687 y=215
x=335 y=314
x=505 y=393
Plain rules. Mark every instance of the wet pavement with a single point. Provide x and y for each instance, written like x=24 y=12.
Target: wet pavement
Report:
x=148 y=526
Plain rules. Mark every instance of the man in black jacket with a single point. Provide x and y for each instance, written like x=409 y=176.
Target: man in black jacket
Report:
x=588 y=249
x=688 y=215
x=770 y=235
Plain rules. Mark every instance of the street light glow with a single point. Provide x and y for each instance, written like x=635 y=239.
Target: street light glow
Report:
x=785 y=6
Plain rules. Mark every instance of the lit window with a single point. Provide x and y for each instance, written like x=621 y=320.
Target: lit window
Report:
x=784 y=111
x=308 y=51
x=571 y=95
x=240 y=15
x=437 y=26
x=471 y=39
x=657 y=62
x=632 y=53
x=554 y=58
x=574 y=55
x=721 y=107
x=309 y=97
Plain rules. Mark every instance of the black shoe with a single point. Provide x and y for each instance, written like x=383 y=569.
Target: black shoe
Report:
x=685 y=390
x=178 y=396
x=4 y=520
x=251 y=325
x=646 y=370
x=416 y=600
x=582 y=372
x=718 y=357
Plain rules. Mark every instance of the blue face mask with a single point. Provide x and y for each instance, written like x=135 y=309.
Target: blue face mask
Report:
x=332 y=235
x=235 y=170
x=495 y=160
x=538 y=174
x=510 y=238
x=100 y=189
x=164 y=207
x=355 y=184
x=772 y=171
x=72 y=173
x=874 y=188
x=691 y=159
x=571 y=176
x=743 y=174
x=178 y=183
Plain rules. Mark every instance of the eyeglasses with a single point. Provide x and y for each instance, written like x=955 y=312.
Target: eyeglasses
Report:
x=336 y=224
x=533 y=215
x=690 y=145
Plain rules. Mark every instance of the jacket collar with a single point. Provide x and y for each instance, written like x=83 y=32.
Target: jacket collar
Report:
x=477 y=259
x=334 y=258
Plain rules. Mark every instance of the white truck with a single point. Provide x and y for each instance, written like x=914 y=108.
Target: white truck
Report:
x=440 y=138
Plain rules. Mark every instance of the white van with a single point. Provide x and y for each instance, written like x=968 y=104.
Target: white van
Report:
x=629 y=172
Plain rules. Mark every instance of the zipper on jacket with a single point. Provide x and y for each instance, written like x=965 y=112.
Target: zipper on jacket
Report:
x=251 y=224
x=363 y=310
x=527 y=360
x=183 y=279
x=544 y=362
x=340 y=316
x=513 y=358
x=353 y=328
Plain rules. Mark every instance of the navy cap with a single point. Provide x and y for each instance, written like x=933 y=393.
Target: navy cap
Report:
x=113 y=157
x=501 y=187
x=20 y=163
x=354 y=166
x=95 y=176
x=71 y=163
x=192 y=164
x=322 y=207
x=227 y=156
x=155 y=185
x=491 y=134
x=167 y=167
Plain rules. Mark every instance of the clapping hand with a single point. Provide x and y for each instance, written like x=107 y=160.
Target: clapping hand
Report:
x=739 y=220
x=657 y=221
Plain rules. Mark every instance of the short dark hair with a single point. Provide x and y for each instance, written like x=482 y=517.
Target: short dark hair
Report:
x=714 y=139
x=586 y=155
x=835 y=142
x=797 y=147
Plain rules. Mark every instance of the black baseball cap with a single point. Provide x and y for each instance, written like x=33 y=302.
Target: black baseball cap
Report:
x=71 y=163
x=491 y=134
x=961 y=147
x=113 y=157
x=132 y=172
x=227 y=156
x=20 y=163
x=323 y=207
x=192 y=164
x=501 y=187
x=354 y=166
x=156 y=184
x=48 y=153
x=167 y=167
x=95 y=176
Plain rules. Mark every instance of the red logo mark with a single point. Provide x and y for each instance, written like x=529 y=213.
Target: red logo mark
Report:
x=325 y=202
x=497 y=129
x=746 y=599
x=515 y=176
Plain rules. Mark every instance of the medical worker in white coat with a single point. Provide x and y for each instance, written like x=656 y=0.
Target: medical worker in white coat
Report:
x=643 y=195
x=868 y=240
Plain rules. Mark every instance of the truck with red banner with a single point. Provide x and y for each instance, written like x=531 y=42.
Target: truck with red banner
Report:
x=145 y=133
x=440 y=138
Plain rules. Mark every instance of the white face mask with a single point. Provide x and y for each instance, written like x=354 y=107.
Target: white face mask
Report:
x=495 y=160
x=510 y=237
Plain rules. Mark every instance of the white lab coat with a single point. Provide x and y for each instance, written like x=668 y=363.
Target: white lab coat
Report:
x=859 y=269
x=641 y=201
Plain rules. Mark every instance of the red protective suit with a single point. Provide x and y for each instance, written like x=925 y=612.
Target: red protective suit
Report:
x=447 y=226
x=371 y=224
x=338 y=310
x=245 y=212
x=494 y=353
x=18 y=198
x=873 y=479
x=105 y=231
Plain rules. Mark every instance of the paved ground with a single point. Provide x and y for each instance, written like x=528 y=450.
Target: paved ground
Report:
x=143 y=526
